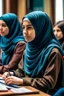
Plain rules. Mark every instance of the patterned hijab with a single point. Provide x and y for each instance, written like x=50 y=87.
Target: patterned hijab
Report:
x=8 y=42
x=38 y=50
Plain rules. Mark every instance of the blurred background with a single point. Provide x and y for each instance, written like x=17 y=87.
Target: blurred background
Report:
x=54 y=8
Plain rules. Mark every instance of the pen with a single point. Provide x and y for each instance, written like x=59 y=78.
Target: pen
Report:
x=9 y=73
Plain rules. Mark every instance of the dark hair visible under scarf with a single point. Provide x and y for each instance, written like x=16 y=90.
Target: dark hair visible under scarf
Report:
x=38 y=50
x=8 y=42
x=60 y=24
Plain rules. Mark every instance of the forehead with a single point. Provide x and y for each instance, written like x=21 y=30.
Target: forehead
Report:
x=26 y=22
x=1 y=21
x=56 y=27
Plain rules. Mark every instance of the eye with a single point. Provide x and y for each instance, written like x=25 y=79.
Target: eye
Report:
x=58 y=30
x=4 y=25
x=23 y=27
x=29 y=27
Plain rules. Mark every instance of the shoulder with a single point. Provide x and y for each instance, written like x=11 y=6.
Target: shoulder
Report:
x=55 y=53
x=20 y=45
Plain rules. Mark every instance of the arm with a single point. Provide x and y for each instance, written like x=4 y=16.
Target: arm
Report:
x=50 y=77
x=17 y=56
x=48 y=80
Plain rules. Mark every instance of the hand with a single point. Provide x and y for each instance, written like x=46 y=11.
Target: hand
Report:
x=6 y=74
x=5 y=68
x=13 y=80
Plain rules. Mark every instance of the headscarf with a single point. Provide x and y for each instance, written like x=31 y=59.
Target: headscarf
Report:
x=8 y=42
x=38 y=50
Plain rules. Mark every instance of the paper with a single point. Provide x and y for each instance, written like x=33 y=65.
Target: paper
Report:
x=1 y=78
x=21 y=90
x=3 y=88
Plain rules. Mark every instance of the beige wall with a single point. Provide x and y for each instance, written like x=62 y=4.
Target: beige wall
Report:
x=21 y=8
x=49 y=8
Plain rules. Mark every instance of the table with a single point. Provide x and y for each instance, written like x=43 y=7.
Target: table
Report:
x=36 y=93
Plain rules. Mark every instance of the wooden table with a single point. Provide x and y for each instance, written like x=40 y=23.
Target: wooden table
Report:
x=35 y=93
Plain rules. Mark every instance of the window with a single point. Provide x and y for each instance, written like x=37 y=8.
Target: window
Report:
x=35 y=5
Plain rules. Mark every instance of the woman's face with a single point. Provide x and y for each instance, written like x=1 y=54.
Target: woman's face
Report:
x=58 y=33
x=4 y=30
x=28 y=31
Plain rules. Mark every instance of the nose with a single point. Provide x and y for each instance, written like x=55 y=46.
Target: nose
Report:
x=55 y=32
x=0 y=27
x=25 y=30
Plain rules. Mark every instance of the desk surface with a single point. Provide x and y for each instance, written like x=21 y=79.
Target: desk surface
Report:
x=35 y=93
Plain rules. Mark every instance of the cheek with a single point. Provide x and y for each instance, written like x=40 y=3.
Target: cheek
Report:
x=7 y=31
x=60 y=34
x=32 y=36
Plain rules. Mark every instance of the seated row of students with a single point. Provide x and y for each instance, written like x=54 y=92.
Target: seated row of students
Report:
x=43 y=53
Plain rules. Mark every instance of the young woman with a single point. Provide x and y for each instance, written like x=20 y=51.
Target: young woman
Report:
x=43 y=54
x=11 y=42
x=59 y=32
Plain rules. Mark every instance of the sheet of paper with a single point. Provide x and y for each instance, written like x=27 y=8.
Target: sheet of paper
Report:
x=3 y=88
x=20 y=90
x=1 y=78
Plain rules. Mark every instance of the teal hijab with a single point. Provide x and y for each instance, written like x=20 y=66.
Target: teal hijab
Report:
x=8 y=42
x=38 y=50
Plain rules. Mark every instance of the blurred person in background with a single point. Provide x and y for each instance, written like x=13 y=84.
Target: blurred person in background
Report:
x=12 y=42
x=59 y=32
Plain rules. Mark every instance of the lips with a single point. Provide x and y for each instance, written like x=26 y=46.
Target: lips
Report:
x=1 y=33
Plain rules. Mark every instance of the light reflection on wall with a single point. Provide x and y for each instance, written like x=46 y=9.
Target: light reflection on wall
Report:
x=0 y=7
x=58 y=10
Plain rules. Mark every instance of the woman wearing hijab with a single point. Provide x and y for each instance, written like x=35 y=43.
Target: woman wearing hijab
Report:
x=59 y=32
x=43 y=54
x=11 y=42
